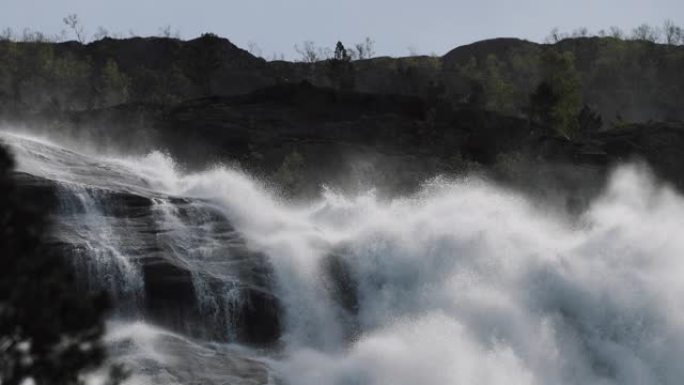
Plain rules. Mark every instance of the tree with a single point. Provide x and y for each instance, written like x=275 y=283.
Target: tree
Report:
x=71 y=82
x=340 y=68
x=167 y=33
x=365 y=49
x=542 y=102
x=309 y=53
x=499 y=92
x=49 y=331
x=645 y=32
x=27 y=70
x=6 y=35
x=341 y=53
x=554 y=36
x=555 y=103
x=673 y=33
x=74 y=24
x=589 y=121
x=113 y=86
x=8 y=69
x=616 y=33
x=487 y=87
x=580 y=32
x=253 y=48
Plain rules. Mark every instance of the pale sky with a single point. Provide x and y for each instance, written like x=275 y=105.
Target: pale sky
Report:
x=397 y=26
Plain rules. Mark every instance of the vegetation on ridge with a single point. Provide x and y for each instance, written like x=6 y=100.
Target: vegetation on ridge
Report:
x=635 y=78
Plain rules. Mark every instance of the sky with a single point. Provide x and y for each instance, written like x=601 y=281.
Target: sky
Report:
x=398 y=27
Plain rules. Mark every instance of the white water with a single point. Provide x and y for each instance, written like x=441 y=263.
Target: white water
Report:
x=102 y=258
x=463 y=283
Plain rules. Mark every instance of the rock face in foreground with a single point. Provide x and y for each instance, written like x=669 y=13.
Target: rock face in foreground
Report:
x=177 y=262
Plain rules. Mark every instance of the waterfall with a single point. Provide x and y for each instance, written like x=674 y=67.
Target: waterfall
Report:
x=464 y=282
x=195 y=239
x=100 y=255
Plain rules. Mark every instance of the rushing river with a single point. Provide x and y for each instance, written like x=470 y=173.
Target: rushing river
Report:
x=219 y=281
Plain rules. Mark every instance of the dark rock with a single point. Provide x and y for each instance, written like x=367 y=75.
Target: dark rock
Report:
x=170 y=297
x=258 y=320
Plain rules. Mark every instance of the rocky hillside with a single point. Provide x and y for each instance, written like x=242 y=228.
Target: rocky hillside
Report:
x=499 y=107
x=624 y=80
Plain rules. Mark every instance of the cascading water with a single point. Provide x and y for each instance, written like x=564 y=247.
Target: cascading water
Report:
x=98 y=248
x=195 y=237
x=462 y=283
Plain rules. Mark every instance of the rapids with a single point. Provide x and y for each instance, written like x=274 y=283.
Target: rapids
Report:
x=464 y=282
